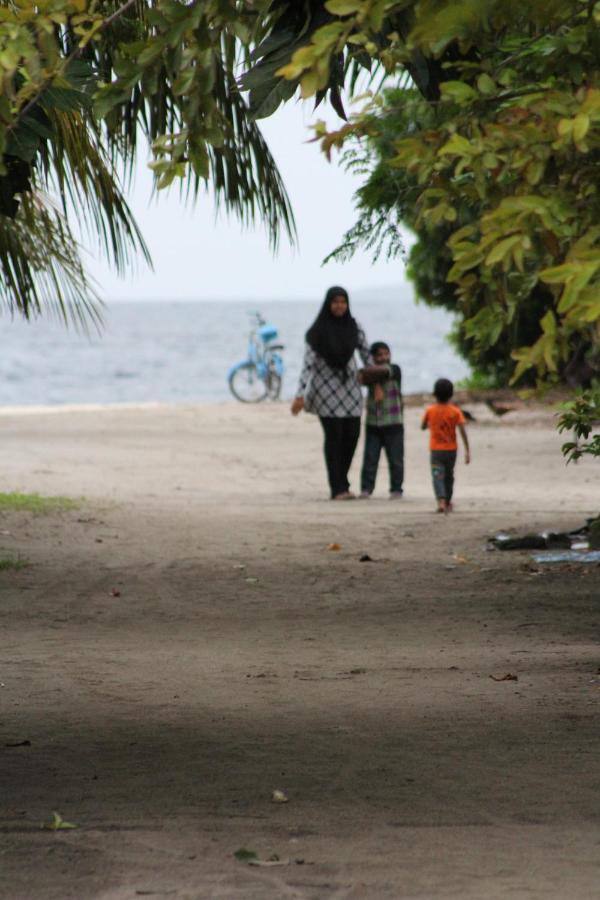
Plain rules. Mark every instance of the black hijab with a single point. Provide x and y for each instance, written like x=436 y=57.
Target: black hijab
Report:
x=334 y=339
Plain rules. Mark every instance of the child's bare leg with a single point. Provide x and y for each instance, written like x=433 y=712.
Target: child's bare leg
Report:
x=442 y=505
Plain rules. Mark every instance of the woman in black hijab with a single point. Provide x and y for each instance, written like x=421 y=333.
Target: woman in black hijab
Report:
x=329 y=388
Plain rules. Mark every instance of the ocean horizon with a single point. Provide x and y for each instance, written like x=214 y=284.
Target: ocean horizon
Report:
x=179 y=351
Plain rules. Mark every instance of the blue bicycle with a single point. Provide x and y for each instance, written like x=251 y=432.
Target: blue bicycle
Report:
x=259 y=376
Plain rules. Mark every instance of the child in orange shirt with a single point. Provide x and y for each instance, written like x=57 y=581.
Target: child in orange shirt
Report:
x=442 y=419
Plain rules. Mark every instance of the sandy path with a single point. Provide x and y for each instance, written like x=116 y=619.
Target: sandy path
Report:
x=162 y=719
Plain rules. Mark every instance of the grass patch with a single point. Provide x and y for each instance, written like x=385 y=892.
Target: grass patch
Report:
x=35 y=503
x=12 y=565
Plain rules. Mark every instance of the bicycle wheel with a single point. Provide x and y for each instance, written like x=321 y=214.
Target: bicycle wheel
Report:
x=273 y=386
x=246 y=385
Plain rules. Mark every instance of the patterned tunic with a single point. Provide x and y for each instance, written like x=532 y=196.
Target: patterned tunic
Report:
x=325 y=392
x=389 y=411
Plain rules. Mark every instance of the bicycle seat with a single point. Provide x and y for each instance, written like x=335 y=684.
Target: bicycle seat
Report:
x=276 y=347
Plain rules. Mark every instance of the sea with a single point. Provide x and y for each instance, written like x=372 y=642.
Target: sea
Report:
x=180 y=351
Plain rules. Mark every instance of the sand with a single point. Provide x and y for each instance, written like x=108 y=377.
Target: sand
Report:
x=184 y=643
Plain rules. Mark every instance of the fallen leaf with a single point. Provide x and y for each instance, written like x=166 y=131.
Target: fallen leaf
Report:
x=58 y=823
x=271 y=861
x=154 y=893
x=238 y=566
x=334 y=547
x=508 y=677
x=245 y=855
x=366 y=558
x=115 y=592
x=459 y=558
x=279 y=797
x=251 y=580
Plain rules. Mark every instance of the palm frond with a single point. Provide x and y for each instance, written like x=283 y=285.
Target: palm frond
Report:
x=243 y=174
x=41 y=268
x=78 y=168
x=152 y=71
x=240 y=169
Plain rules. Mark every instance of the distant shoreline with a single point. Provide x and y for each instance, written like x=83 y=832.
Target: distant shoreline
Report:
x=412 y=400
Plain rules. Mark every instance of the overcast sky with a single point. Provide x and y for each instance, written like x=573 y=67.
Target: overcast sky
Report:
x=198 y=258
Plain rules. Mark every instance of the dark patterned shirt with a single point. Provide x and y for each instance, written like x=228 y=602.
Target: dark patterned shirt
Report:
x=328 y=392
x=388 y=411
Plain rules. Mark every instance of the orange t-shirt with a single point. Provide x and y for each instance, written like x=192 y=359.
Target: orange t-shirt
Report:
x=442 y=419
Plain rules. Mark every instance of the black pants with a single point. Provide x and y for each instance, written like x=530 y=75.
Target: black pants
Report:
x=341 y=438
x=391 y=439
x=442 y=473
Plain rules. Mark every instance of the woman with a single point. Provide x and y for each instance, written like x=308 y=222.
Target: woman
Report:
x=328 y=385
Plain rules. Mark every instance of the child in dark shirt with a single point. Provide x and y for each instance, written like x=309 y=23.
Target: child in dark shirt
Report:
x=384 y=425
x=442 y=419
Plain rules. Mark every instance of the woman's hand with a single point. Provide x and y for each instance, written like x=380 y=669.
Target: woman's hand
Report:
x=297 y=405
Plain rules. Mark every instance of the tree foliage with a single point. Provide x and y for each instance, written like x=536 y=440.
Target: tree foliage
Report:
x=391 y=197
x=581 y=416
x=82 y=82
x=493 y=154
x=494 y=160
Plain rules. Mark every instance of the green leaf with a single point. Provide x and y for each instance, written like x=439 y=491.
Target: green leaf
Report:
x=548 y=323
x=502 y=249
x=559 y=274
x=264 y=103
x=457 y=145
x=343 y=7
x=581 y=126
x=591 y=311
x=565 y=127
x=309 y=83
x=23 y=143
x=458 y=92
x=534 y=171
x=245 y=855
x=486 y=85
x=106 y=100
x=577 y=284
x=198 y=155
x=507 y=77
x=151 y=53
x=184 y=82
x=58 y=823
